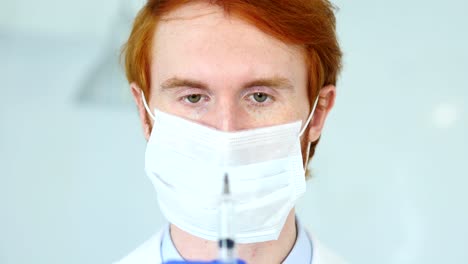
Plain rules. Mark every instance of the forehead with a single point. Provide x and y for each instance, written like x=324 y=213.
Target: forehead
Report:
x=199 y=39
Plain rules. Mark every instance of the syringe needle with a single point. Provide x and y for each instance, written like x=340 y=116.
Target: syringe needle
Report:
x=226 y=235
x=226 y=190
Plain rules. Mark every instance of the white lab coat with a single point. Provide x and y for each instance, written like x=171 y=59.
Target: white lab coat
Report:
x=149 y=253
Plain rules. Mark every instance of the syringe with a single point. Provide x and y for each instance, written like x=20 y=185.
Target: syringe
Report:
x=227 y=246
x=226 y=242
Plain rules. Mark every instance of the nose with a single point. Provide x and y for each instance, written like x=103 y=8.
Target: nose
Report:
x=227 y=116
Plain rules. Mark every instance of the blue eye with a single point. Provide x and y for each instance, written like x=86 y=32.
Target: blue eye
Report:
x=260 y=97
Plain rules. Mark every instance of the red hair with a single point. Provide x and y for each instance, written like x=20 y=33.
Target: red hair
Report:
x=310 y=24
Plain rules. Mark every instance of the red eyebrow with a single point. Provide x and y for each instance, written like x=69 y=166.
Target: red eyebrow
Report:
x=275 y=82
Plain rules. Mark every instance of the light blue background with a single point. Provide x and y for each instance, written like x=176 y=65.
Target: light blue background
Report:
x=391 y=177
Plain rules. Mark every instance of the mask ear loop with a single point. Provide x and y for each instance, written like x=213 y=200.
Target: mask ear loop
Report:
x=146 y=105
x=307 y=156
x=309 y=118
x=303 y=130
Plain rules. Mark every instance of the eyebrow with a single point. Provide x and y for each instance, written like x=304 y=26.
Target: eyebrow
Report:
x=274 y=82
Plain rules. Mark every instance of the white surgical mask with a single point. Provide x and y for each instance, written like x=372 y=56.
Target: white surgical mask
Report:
x=186 y=163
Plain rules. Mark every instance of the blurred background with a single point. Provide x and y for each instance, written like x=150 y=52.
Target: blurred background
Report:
x=391 y=172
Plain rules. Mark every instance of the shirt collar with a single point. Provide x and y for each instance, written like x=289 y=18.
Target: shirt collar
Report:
x=300 y=253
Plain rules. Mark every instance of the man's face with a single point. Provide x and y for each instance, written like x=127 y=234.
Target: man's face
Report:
x=224 y=73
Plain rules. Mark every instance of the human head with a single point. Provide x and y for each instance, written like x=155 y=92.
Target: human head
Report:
x=296 y=37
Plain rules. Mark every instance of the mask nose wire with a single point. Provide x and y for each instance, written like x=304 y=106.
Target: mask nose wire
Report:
x=146 y=105
x=306 y=124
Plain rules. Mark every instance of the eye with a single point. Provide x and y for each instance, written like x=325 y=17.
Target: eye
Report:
x=193 y=98
x=260 y=97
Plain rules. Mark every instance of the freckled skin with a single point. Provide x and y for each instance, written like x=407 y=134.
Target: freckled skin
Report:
x=225 y=53
x=200 y=49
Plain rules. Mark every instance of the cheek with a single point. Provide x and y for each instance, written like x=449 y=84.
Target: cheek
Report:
x=297 y=108
x=281 y=114
x=163 y=102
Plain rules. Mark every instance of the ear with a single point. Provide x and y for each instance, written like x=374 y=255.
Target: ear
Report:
x=145 y=120
x=326 y=101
